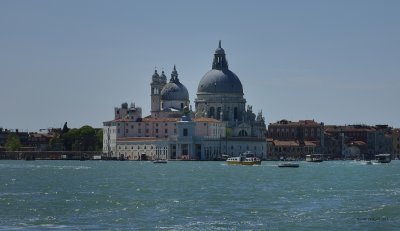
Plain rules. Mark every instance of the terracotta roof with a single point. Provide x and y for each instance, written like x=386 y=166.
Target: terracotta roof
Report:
x=294 y=143
x=310 y=143
x=205 y=119
x=285 y=143
x=359 y=143
x=161 y=119
x=309 y=123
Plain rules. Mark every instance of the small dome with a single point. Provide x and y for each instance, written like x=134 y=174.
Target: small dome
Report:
x=163 y=77
x=174 y=91
x=155 y=75
x=220 y=81
x=219 y=51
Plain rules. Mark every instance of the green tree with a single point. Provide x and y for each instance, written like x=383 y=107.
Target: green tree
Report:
x=99 y=139
x=87 y=138
x=13 y=142
x=70 y=138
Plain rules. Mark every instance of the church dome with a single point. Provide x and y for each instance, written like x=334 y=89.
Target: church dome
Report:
x=174 y=90
x=220 y=79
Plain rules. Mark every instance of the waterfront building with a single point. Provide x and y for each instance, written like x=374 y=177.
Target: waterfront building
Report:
x=357 y=141
x=396 y=143
x=295 y=139
x=23 y=136
x=221 y=123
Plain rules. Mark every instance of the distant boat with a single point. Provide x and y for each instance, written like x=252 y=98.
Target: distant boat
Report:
x=368 y=162
x=247 y=158
x=288 y=165
x=383 y=158
x=314 y=158
x=160 y=161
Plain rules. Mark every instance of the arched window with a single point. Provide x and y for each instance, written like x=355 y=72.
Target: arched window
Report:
x=243 y=133
x=212 y=112
x=235 y=113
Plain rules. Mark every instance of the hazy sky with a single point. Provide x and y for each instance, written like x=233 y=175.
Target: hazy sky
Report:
x=336 y=62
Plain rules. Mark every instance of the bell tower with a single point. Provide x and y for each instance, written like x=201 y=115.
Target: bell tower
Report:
x=156 y=85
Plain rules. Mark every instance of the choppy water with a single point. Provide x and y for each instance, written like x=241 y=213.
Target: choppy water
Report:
x=107 y=195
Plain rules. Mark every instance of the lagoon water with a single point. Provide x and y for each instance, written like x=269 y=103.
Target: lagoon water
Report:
x=112 y=195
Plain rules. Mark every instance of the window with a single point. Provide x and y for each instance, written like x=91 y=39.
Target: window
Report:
x=218 y=113
x=166 y=131
x=157 y=130
x=181 y=105
x=147 y=130
x=212 y=112
x=185 y=132
x=132 y=126
x=243 y=133
x=235 y=113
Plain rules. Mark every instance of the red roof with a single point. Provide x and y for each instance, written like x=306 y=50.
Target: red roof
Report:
x=205 y=119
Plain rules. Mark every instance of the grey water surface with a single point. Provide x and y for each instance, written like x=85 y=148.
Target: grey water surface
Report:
x=184 y=195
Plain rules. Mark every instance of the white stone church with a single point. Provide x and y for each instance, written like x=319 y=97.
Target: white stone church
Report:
x=220 y=125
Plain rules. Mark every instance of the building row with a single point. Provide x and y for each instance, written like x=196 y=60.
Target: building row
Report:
x=293 y=140
x=30 y=141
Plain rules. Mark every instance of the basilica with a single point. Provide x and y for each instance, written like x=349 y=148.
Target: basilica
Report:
x=221 y=124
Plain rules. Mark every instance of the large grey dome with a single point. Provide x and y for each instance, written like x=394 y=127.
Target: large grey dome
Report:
x=220 y=81
x=174 y=91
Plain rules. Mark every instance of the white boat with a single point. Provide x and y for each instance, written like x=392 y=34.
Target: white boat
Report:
x=383 y=158
x=247 y=158
x=288 y=165
x=314 y=158
x=160 y=161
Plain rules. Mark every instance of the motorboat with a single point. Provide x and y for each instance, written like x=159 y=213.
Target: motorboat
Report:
x=247 y=158
x=288 y=165
x=383 y=158
x=314 y=158
x=160 y=161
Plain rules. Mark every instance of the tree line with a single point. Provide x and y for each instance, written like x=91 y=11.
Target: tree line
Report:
x=85 y=138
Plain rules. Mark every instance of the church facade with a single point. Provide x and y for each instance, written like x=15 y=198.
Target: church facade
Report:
x=221 y=124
